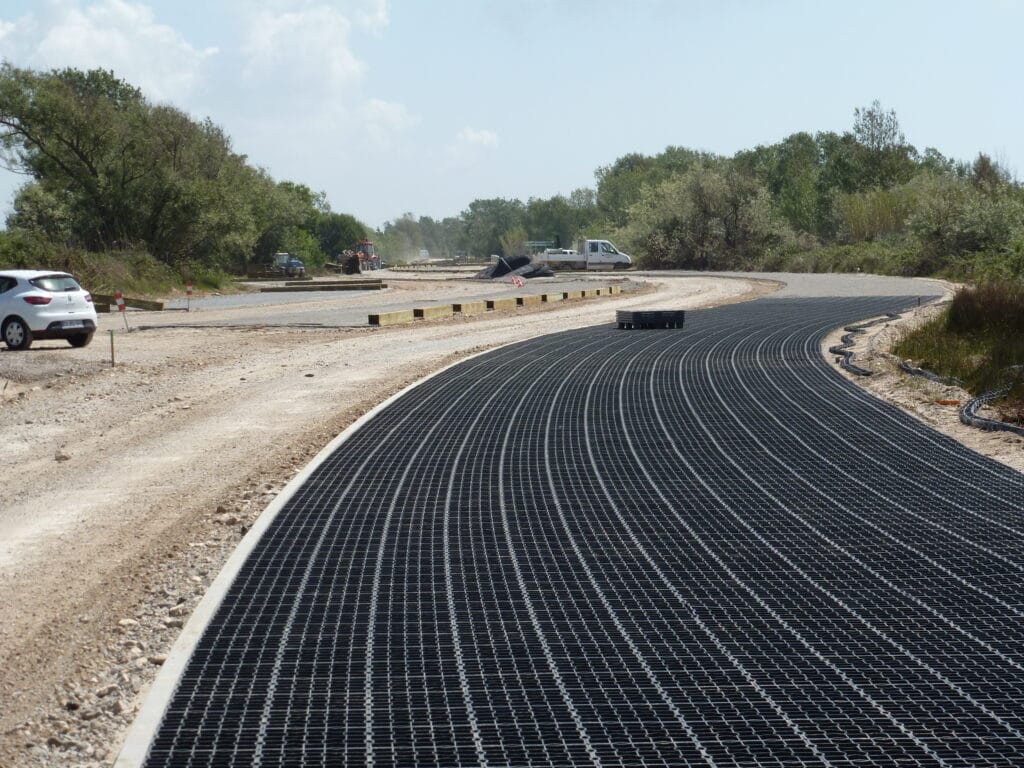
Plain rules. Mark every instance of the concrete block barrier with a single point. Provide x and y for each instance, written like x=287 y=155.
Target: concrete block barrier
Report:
x=509 y=302
x=470 y=307
x=392 y=318
x=429 y=313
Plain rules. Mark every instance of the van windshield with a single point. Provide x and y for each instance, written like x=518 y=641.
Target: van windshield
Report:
x=608 y=248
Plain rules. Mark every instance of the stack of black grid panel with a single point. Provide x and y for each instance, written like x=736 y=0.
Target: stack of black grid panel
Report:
x=634 y=319
x=598 y=548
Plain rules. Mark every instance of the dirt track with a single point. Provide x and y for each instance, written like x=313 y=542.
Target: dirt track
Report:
x=127 y=488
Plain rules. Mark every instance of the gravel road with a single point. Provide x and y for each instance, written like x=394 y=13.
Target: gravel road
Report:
x=350 y=308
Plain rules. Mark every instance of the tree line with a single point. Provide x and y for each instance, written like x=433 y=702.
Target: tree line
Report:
x=109 y=172
x=865 y=199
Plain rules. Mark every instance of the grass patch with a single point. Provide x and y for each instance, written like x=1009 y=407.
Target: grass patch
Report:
x=979 y=339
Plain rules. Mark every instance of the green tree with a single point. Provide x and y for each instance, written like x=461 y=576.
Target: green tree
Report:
x=442 y=238
x=513 y=242
x=112 y=171
x=283 y=208
x=202 y=202
x=875 y=213
x=793 y=181
x=560 y=219
x=954 y=218
x=300 y=243
x=933 y=161
x=337 y=232
x=884 y=157
x=486 y=221
x=622 y=183
x=78 y=132
x=706 y=218
x=42 y=211
x=988 y=176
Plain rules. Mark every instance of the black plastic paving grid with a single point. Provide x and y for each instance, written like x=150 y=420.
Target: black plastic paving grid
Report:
x=678 y=547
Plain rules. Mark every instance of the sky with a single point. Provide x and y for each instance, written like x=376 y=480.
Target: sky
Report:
x=396 y=106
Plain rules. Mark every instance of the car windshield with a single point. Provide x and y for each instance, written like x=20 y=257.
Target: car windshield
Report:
x=56 y=283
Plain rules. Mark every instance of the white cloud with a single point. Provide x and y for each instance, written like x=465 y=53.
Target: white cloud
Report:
x=301 y=58
x=374 y=15
x=112 y=34
x=304 y=51
x=477 y=138
x=384 y=121
x=469 y=146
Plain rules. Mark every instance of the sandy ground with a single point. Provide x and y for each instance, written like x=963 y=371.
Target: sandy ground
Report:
x=127 y=488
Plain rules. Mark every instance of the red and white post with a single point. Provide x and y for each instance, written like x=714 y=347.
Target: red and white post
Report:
x=119 y=300
x=188 y=296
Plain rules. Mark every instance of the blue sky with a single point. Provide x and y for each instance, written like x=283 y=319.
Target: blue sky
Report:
x=422 y=106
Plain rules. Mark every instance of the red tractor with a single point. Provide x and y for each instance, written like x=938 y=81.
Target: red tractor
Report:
x=368 y=257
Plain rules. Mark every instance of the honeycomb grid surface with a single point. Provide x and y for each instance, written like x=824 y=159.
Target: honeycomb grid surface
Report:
x=681 y=547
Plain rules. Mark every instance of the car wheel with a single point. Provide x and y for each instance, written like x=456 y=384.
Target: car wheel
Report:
x=81 y=340
x=17 y=335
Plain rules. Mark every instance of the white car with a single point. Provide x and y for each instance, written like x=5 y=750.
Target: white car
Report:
x=44 y=305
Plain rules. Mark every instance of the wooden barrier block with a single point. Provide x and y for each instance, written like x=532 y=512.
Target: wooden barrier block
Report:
x=429 y=313
x=530 y=300
x=614 y=289
x=551 y=297
x=508 y=302
x=391 y=318
x=153 y=306
x=470 y=307
x=590 y=293
x=572 y=295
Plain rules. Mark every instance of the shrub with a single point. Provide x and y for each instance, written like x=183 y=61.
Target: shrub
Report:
x=979 y=339
x=988 y=308
x=129 y=271
x=891 y=257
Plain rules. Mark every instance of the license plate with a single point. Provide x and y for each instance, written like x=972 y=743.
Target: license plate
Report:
x=72 y=324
